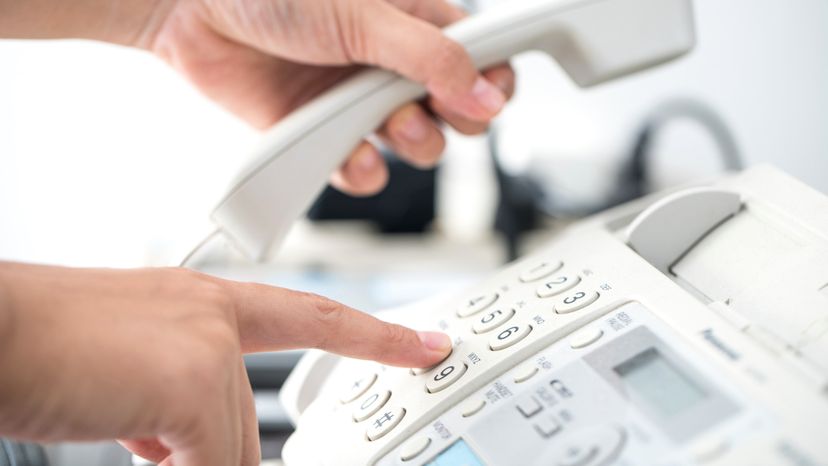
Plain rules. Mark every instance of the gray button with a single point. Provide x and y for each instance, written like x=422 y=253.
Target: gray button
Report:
x=472 y=407
x=528 y=407
x=585 y=337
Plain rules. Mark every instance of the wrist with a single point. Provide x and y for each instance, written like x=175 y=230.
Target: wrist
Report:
x=124 y=22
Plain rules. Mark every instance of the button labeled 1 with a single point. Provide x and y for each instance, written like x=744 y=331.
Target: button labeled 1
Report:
x=508 y=336
x=541 y=270
x=445 y=375
x=492 y=320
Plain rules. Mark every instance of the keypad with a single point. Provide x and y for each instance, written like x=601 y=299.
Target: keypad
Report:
x=575 y=300
x=477 y=304
x=493 y=314
x=541 y=270
x=445 y=375
x=509 y=335
x=557 y=285
x=492 y=320
x=383 y=422
x=370 y=404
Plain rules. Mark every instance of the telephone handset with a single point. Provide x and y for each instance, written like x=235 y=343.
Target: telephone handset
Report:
x=592 y=40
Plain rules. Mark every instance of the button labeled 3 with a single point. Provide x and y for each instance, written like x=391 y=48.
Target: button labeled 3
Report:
x=445 y=375
x=477 y=304
x=576 y=301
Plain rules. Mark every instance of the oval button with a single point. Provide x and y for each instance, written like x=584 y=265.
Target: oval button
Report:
x=508 y=336
x=413 y=447
x=358 y=388
x=477 y=304
x=576 y=301
x=492 y=320
x=445 y=375
x=557 y=285
x=541 y=270
x=384 y=422
x=368 y=405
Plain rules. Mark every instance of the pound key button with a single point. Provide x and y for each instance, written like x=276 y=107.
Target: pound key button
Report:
x=386 y=420
x=476 y=304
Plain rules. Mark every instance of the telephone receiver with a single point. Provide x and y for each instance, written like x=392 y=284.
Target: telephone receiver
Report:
x=592 y=40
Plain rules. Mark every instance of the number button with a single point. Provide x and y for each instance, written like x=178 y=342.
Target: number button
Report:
x=575 y=301
x=384 y=422
x=492 y=320
x=557 y=285
x=371 y=404
x=477 y=304
x=508 y=336
x=358 y=388
x=445 y=375
x=541 y=270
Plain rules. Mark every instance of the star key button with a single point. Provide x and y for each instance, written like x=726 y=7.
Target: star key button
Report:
x=357 y=388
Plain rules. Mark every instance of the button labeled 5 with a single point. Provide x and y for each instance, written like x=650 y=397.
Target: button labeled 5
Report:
x=492 y=320
x=445 y=375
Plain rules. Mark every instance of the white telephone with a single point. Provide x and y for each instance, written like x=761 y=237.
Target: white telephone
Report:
x=686 y=328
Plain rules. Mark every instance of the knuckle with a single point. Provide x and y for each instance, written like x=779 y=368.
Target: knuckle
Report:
x=447 y=56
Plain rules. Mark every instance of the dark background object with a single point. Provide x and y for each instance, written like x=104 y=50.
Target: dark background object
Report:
x=406 y=205
x=21 y=454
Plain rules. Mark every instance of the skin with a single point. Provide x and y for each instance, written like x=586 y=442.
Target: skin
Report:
x=153 y=356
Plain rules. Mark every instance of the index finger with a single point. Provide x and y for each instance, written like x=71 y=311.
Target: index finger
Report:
x=272 y=319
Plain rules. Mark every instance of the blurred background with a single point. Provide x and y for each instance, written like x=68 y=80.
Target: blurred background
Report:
x=109 y=158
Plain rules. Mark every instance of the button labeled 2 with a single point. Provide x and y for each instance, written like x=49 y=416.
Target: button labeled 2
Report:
x=445 y=375
x=492 y=320
x=557 y=285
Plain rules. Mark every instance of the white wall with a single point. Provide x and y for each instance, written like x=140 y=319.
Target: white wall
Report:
x=109 y=158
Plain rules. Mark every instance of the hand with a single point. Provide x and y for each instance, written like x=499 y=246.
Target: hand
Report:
x=154 y=356
x=261 y=59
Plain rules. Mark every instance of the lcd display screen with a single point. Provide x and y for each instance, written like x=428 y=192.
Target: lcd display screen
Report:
x=652 y=379
x=457 y=454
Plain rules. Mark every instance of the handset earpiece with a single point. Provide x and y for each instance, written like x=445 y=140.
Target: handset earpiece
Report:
x=592 y=40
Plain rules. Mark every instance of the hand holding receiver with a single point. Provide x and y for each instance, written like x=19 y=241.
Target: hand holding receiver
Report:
x=593 y=40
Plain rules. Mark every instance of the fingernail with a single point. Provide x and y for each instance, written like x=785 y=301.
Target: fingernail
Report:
x=414 y=129
x=488 y=95
x=435 y=341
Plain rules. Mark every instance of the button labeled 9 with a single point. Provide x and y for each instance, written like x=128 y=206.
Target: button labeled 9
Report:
x=445 y=375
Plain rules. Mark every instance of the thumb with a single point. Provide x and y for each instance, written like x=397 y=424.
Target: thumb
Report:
x=272 y=319
x=388 y=37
